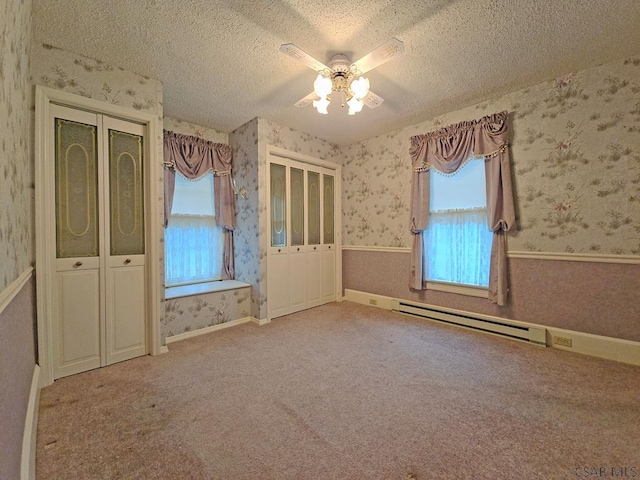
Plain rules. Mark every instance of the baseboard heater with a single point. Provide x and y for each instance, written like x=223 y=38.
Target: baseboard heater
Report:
x=485 y=323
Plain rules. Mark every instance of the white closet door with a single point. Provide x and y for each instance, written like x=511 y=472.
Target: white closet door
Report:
x=314 y=238
x=301 y=266
x=99 y=294
x=297 y=248
x=278 y=258
x=125 y=262
x=77 y=316
x=328 y=267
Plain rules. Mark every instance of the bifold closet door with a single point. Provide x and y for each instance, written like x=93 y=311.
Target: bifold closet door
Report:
x=314 y=238
x=328 y=267
x=125 y=244
x=301 y=267
x=99 y=292
x=297 y=248
x=78 y=317
x=278 y=262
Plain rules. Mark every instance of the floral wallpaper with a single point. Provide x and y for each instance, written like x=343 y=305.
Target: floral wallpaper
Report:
x=16 y=171
x=193 y=313
x=576 y=163
x=248 y=257
x=186 y=128
x=63 y=70
x=251 y=237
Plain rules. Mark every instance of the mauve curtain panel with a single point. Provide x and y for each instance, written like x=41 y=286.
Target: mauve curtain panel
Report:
x=447 y=150
x=194 y=157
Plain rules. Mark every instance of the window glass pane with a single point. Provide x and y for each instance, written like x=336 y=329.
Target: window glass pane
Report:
x=193 y=249
x=457 y=240
x=464 y=189
x=193 y=242
x=278 y=201
x=194 y=197
x=458 y=247
x=76 y=163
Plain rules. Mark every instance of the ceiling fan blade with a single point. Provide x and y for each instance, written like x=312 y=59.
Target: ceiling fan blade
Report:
x=385 y=52
x=308 y=100
x=372 y=100
x=302 y=56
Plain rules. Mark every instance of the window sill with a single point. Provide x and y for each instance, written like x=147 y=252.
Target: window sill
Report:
x=200 y=288
x=468 y=290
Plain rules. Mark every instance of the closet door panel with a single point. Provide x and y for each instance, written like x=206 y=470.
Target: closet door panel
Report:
x=126 y=336
x=314 y=284
x=278 y=284
x=328 y=276
x=78 y=327
x=297 y=279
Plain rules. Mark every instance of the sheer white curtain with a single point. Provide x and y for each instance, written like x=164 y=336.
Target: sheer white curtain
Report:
x=193 y=246
x=458 y=247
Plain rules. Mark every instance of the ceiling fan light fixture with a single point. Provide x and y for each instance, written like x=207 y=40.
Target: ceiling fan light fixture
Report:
x=344 y=77
x=355 y=105
x=321 y=105
x=360 y=87
x=322 y=86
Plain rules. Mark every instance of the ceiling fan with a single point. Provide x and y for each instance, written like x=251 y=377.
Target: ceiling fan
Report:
x=342 y=77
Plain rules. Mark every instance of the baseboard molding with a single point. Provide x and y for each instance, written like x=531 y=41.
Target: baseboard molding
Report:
x=28 y=462
x=617 y=349
x=10 y=292
x=261 y=321
x=203 y=331
x=164 y=349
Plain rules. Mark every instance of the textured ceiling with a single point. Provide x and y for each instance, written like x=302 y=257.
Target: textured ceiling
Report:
x=220 y=66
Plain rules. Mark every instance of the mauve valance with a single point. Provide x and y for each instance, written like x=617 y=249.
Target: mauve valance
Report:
x=194 y=157
x=446 y=150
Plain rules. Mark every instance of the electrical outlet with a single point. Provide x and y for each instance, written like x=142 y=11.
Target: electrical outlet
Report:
x=565 y=342
x=373 y=301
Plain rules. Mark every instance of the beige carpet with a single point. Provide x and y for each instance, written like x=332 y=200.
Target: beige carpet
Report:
x=343 y=391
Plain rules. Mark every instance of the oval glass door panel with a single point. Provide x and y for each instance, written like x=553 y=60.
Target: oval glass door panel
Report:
x=278 y=201
x=76 y=186
x=297 y=206
x=328 y=236
x=126 y=198
x=313 y=185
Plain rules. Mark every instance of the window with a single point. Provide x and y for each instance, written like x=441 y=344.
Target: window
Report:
x=193 y=241
x=457 y=241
